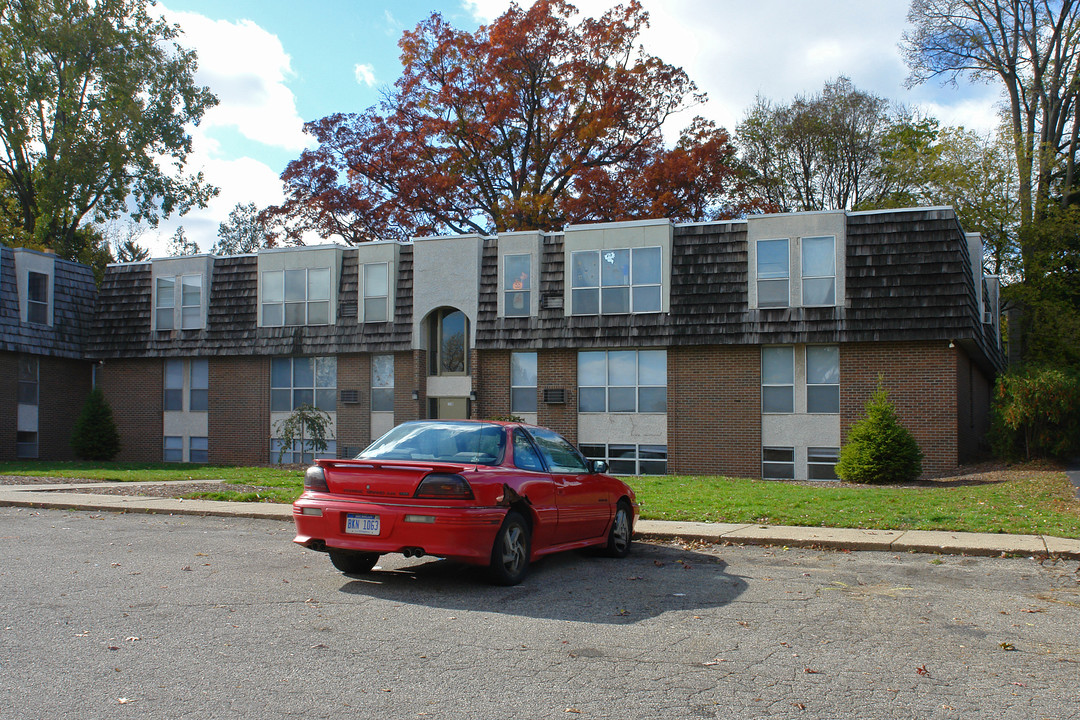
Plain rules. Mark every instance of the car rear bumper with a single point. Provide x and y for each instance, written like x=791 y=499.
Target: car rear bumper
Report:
x=460 y=533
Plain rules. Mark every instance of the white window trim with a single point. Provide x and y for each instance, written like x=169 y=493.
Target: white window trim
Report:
x=507 y=291
x=793 y=384
x=307 y=301
x=364 y=296
x=599 y=287
x=804 y=277
x=526 y=388
x=637 y=386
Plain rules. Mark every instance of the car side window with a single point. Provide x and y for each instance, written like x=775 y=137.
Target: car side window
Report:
x=560 y=455
x=525 y=456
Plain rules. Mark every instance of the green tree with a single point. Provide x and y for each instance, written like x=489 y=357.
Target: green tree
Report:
x=1036 y=413
x=180 y=245
x=306 y=428
x=95 y=103
x=95 y=436
x=879 y=449
x=243 y=232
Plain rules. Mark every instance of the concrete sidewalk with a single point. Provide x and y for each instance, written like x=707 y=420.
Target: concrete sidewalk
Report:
x=66 y=497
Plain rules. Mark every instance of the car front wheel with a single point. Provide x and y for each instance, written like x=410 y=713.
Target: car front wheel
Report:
x=353 y=563
x=619 y=538
x=510 y=555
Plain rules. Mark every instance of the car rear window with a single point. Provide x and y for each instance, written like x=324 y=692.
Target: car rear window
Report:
x=440 y=442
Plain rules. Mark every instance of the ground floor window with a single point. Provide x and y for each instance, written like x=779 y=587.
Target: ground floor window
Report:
x=303 y=381
x=26 y=445
x=198 y=450
x=821 y=463
x=778 y=463
x=301 y=452
x=629 y=459
x=174 y=448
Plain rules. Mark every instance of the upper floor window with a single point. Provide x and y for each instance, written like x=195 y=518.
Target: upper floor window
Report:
x=823 y=379
x=382 y=383
x=616 y=281
x=622 y=381
x=296 y=297
x=190 y=302
x=772 y=273
x=37 y=298
x=376 y=292
x=818 y=271
x=448 y=342
x=778 y=379
x=517 y=285
x=303 y=381
x=523 y=382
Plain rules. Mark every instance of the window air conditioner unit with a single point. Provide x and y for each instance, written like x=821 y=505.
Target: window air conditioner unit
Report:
x=350 y=396
x=555 y=396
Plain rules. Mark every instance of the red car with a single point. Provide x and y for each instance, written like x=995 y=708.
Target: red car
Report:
x=486 y=493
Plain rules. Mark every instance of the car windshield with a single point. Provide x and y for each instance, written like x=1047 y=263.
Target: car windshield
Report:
x=472 y=443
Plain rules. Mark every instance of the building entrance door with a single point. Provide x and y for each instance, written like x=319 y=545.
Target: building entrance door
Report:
x=452 y=408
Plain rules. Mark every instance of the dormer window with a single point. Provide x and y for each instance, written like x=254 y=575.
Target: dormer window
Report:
x=165 y=298
x=191 y=302
x=37 y=298
x=296 y=297
x=517 y=281
x=616 y=281
x=818 y=271
x=772 y=273
x=376 y=292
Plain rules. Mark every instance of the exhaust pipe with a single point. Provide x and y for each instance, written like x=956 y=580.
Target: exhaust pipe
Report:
x=413 y=552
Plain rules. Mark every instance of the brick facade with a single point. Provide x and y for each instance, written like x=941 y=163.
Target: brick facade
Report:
x=239 y=410
x=921 y=378
x=492 y=383
x=557 y=370
x=9 y=408
x=133 y=388
x=63 y=386
x=353 y=419
x=714 y=410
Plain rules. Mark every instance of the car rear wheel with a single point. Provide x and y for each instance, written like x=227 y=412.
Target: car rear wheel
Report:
x=353 y=563
x=510 y=555
x=620 y=536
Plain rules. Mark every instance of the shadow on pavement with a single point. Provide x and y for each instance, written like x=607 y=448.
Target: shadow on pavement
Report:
x=576 y=586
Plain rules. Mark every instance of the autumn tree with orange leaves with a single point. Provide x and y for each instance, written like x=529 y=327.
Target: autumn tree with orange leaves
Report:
x=532 y=122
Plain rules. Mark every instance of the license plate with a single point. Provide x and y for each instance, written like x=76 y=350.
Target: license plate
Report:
x=361 y=524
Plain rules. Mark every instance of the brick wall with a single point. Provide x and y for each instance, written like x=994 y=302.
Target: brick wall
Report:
x=921 y=378
x=354 y=419
x=410 y=373
x=239 y=419
x=973 y=409
x=9 y=403
x=714 y=410
x=62 y=389
x=134 y=389
x=556 y=369
x=491 y=380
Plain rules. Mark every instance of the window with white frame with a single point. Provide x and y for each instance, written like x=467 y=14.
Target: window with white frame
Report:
x=37 y=298
x=191 y=302
x=778 y=463
x=821 y=463
x=164 y=302
x=173 y=450
x=523 y=382
x=773 y=273
x=778 y=379
x=376 y=292
x=198 y=450
x=517 y=285
x=296 y=381
x=296 y=297
x=616 y=281
x=173 y=400
x=823 y=379
x=382 y=383
x=819 y=271
x=198 y=385
x=622 y=381
x=629 y=459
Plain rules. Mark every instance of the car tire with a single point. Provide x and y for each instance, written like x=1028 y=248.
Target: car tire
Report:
x=510 y=554
x=353 y=563
x=621 y=534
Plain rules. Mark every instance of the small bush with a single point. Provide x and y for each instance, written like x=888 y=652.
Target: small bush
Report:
x=1036 y=414
x=95 y=436
x=879 y=449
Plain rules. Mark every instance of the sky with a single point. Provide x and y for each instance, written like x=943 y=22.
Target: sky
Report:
x=275 y=65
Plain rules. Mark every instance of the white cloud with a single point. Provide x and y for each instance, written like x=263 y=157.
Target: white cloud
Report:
x=247 y=68
x=365 y=74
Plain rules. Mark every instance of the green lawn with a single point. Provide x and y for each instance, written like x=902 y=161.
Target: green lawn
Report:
x=1019 y=501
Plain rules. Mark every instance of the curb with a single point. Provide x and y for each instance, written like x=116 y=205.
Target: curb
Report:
x=846 y=539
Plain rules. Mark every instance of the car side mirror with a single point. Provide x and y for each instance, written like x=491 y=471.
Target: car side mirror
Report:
x=597 y=466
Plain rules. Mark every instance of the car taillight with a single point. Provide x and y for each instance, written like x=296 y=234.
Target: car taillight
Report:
x=443 y=486
x=315 y=479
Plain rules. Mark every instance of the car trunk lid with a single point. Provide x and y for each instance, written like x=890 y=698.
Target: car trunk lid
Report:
x=384 y=479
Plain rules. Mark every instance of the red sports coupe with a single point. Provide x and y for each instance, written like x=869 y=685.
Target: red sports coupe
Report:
x=486 y=493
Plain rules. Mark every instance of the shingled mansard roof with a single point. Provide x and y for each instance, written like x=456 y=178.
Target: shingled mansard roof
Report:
x=72 y=310
x=908 y=277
